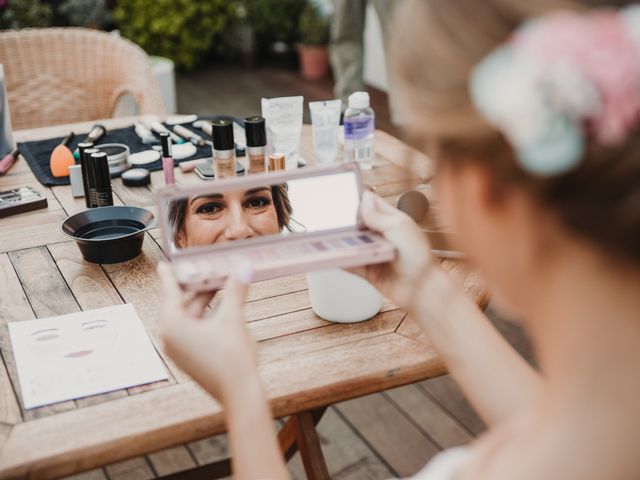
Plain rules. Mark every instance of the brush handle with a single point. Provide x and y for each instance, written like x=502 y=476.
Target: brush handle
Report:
x=68 y=139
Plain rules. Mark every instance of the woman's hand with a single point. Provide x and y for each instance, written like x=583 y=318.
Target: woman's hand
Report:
x=215 y=349
x=401 y=279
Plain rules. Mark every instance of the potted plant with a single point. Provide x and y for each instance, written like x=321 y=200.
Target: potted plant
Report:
x=313 y=50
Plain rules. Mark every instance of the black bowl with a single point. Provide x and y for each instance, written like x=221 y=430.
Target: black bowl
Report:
x=109 y=234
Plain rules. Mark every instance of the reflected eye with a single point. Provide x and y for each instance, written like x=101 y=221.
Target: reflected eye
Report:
x=209 y=208
x=258 y=202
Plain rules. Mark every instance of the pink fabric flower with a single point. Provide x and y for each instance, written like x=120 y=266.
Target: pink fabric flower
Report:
x=599 y=47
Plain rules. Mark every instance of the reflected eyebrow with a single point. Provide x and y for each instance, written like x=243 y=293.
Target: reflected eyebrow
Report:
x=216 y=196
x=251 y=191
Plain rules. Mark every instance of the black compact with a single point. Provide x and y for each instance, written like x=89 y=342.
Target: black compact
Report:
x=136 y=177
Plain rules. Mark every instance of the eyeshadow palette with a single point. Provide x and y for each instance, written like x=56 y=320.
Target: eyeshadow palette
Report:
x=21 y=200
x=281 y=222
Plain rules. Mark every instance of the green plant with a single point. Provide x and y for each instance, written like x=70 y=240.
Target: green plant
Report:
x=25 y=13
x=274 y=20
x=85 y=13
x=182 y=30
x=314 y=26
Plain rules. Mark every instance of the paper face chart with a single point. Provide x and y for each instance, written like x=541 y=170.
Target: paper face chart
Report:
x=301 y=205
x=81 y=354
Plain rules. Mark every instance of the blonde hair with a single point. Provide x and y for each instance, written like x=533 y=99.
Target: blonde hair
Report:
x=435 y=46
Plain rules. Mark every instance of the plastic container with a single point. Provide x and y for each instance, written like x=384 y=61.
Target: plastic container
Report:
x=359 y=131
x=339 y=296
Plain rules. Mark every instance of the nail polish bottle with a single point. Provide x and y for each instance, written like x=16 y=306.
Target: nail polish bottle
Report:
x=167 y=159
x=256 y=134
x=224 y=149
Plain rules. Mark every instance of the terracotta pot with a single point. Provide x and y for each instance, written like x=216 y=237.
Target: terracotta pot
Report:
x=314 y=61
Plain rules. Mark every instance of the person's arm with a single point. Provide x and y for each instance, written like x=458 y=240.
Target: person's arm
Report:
x=218 y=353
x=495 y=378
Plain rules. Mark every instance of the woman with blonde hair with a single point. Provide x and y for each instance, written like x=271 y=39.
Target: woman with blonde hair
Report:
x=531 y=112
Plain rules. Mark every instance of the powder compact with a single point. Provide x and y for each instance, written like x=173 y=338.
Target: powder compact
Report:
x=136 y=177
x=117 y=156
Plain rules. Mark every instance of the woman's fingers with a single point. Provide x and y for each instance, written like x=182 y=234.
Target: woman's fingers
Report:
x=236 y=288
x=198 y=303
x=373 y=216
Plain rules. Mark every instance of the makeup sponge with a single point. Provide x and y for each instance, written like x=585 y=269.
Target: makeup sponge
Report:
x=61 y=160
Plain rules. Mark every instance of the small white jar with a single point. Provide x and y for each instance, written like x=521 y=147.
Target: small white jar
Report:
x=339 y=296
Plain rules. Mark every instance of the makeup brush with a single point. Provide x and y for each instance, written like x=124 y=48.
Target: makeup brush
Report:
x=62 y=158
x=96 y=133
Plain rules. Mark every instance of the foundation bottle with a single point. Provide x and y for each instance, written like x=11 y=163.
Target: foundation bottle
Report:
x=276 y=162
x=224 y=149
x=256 y=134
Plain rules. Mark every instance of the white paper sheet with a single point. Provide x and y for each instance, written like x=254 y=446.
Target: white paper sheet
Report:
x=82 y=354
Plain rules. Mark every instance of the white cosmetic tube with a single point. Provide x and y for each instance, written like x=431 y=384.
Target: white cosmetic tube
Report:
x=325 y=121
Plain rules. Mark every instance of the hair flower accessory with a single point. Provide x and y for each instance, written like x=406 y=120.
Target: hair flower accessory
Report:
x=560 y=81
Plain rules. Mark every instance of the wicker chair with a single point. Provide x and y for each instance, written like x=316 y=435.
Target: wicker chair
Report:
x=64 y=75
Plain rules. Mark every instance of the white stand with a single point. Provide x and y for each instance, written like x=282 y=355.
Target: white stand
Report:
x=342 y=297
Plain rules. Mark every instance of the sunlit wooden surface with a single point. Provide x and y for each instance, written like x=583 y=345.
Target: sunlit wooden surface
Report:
x=305 y=362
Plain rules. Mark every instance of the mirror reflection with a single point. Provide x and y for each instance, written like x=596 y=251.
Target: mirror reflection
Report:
x=300 y=205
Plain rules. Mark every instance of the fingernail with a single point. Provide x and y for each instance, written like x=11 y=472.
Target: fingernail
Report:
x=368 y=201
x=245 y=273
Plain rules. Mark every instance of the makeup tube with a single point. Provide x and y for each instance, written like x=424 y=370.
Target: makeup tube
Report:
x=88 y=178
x=102 y=177
x=256 y=134
x=284 y=126
x=224 y=149
x=325 y=121
x=167 y=159
x=82 y=147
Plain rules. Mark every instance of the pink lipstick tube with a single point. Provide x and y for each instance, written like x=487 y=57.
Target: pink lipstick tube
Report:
x=7 y=162
x=167 y=159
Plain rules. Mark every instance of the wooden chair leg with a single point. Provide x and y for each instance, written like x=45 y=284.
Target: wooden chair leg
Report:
x=309 y=445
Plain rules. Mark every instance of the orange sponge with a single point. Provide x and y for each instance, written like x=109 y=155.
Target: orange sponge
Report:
x=62 y=158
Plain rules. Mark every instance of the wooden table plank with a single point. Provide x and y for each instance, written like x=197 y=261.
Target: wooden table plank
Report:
x=88 y=282
x=138 y=284
x=131 y=426
x=13 y=306
x=327 y=337
x=38 y=267
x=305 y=362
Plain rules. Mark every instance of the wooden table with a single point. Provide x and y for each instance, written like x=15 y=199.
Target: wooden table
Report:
x=306 y=363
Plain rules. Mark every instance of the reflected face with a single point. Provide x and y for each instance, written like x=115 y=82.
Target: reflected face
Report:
x=217 y=218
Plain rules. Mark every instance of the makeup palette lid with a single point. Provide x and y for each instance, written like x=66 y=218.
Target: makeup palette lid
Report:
x=222 y=133
x=255 y=131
